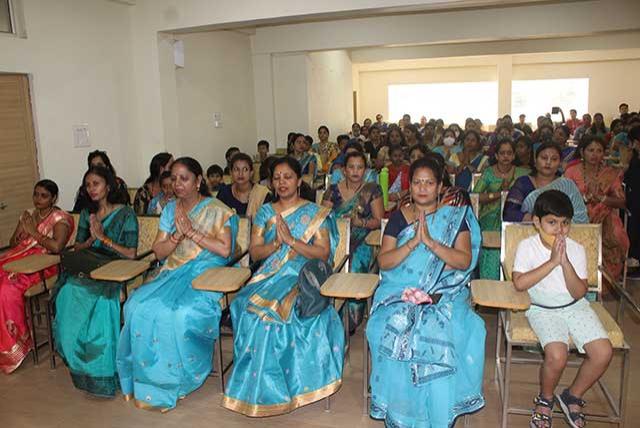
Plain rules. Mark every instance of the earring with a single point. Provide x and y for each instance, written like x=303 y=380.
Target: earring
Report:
x=298 y=191
x=410 y=198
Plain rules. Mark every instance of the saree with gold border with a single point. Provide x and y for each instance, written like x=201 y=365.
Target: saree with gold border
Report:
x=166 y=344
x=15 y=337
x=283 y=361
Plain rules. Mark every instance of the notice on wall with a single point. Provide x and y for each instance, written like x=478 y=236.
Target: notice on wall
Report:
x=81 y=135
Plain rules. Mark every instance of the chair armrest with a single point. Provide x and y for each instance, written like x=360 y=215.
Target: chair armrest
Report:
x=32 y=264
x=499 y=294
x=120 y=270
x=143 y=255
x=350 y=285
x=341 y=263
x=222 y=279
x=237 y=258
x=624 y=295
x=373 y=238
x=491 y=239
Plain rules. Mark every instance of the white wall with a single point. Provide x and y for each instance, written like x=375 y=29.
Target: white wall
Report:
x=330 y=92
x=290 y=96
x=217 y=77
x=78 y=56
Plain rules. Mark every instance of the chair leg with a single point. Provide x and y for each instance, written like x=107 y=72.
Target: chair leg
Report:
x=365 y=365
x=347 y=336
x=218 y=351
x=49 y=314
x=32 y=324
x=507 y=380
x=498 y=347
x=624 y=386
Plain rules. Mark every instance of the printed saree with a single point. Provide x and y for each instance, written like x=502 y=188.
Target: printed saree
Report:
x=283 y=361
x=615 y=241
x=166 y=345
x=87 y=323
x=15 y=337
x=523 y=194
x=490 y=218
x=427 y=360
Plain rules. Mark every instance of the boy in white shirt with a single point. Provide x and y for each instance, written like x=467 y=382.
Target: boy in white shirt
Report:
x=553 y=268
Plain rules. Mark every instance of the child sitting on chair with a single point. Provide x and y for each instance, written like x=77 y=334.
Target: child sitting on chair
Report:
x=164 y=197
x=553 y=268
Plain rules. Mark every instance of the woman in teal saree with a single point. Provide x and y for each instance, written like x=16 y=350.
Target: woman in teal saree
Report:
x=427 y=344
x=283 y=358
x=495 y=179
x=166 y=345
x=87 y=322
x=362 y=203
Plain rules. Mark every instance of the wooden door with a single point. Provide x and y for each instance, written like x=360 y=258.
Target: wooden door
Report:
x=18 y=164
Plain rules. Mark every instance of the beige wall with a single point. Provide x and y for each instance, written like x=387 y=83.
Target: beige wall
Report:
x=78 y=57
x=217 y=77
x=330 y=92
x=373 y=91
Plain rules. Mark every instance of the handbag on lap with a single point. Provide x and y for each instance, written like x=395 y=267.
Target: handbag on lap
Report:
x=82 y=263
x=312 y=275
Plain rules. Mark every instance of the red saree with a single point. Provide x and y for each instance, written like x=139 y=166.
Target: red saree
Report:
x=15 y=338
x=615 y=241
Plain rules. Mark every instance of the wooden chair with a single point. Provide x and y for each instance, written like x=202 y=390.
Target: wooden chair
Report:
x=358 y=286
x=475 y=177
x=132 y=194
x=514 y=329
x=490 y=238
x=228 y=280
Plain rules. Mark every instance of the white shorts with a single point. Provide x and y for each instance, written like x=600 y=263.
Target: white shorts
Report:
x=578 y=321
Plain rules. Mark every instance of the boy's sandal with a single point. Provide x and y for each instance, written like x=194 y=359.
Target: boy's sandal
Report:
x=575 y=419
x=538 y=419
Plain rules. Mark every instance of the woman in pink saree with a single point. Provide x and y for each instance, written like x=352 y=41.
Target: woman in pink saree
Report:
x=601 y=188
x=44 y=229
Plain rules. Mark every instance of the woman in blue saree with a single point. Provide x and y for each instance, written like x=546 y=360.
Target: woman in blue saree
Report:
x=307 y=159
x=469 y=160
x=166 y=344
x=362 y=203
x=337 y=168
x=525 y=190
x=427 y=344
x=283 y=358
x=87 y=323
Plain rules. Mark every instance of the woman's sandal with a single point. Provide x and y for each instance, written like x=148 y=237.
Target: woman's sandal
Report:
x=573 y=418
x=541 y=420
